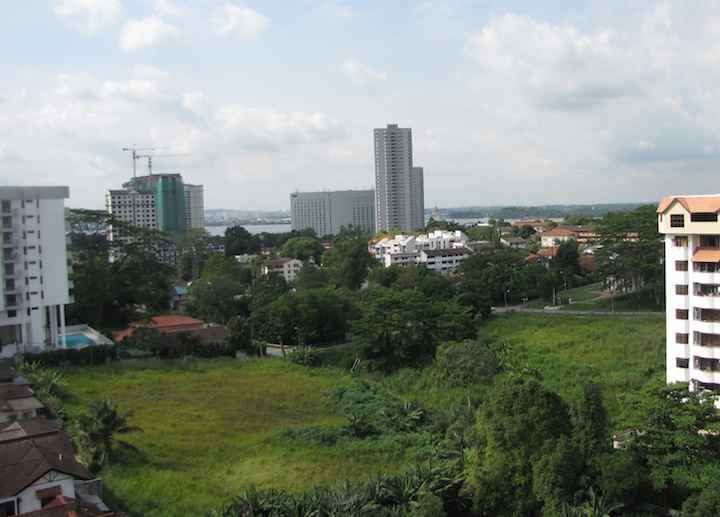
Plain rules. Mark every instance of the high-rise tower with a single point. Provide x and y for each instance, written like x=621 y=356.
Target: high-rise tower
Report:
x=399 y=191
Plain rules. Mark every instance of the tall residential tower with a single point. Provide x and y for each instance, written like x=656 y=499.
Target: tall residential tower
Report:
x=34 y=287
x=399 y=189
x=692 y=272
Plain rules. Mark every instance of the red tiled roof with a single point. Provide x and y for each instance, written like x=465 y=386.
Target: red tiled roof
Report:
x=693 y=204
x=706 y=255
x=548 y=252
x=561 y=232
x=163 y=323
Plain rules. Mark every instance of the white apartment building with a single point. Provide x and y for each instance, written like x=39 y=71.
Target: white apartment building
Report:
x=288 y=268
x=131 y=207
x=194 y=207
x=34 y=288
x=692 y=263
x=440 y=250
x=327 y=213
x=399 y=186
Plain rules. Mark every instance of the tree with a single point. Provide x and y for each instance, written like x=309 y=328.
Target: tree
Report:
x=239 y=241
x=703 y=504
x=311 y=316
x=217 y=295
x=679 y=439
x=399 y=328
x=464 y=363
x=97 y=431
x=349 y=261
x=631 y=252
x=517 y=427
x=591 y=424
x=566 y=261
x=312 y=277
x=303 y=248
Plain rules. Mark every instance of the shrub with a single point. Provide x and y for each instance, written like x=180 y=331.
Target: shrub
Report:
x=90 y=355
x=304 y=356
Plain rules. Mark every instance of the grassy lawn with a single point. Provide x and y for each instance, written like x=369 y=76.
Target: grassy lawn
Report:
x=578 y=295
x=620 y=353
x=210 y=427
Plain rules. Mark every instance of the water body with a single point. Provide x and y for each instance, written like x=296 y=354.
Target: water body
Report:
x=252 y=228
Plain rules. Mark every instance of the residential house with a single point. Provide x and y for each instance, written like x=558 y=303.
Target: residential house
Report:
x=288 y=268
x=175 y=325
x=437 y=250
x=37 y=465
x=517 y=243
x=537 y=225
x=18 y=402
x=444 y=261
x=557 y=236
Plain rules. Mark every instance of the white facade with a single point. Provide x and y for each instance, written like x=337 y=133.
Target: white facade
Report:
x=194 y=207
x=692 y=262
x=399 y=187
x=34 y=288
x=288 y=268
x=327 y=213
x=131 y=207
x=440 y=250
x=28 y=501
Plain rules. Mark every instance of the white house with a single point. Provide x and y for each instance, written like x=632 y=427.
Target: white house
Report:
x=288 y=268
x=37 y=466
x=440 y=250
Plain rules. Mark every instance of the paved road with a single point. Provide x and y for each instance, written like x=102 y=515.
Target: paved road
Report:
x=523 y=309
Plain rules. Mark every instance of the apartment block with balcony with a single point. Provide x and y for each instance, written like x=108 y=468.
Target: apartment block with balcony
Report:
x=691 y=229
x=34 y=286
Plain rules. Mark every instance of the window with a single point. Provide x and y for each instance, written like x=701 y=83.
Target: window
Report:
x=682 y=314
x=8 y=508
x=677 y=221
x=706 y=364
x=680 y=242
x=704 y=217
x=681 y=289
x=681 y=265
x=710 y=241
x=682 y=362
x=682 y=339
x=712 y=315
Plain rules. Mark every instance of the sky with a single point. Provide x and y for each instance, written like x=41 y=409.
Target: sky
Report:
x=512 y=102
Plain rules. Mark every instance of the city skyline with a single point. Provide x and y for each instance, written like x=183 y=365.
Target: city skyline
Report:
x=513 y=104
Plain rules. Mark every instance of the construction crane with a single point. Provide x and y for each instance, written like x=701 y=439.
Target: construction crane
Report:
x=136 y=156
x=151 y=156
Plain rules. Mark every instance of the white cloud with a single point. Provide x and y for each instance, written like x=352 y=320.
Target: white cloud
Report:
x=263 y=128
x=557 y=65
x=169 y=8
x=334 y=10
x=89 y=16
x=241 y=21
x=362 y=74
x=147 y=32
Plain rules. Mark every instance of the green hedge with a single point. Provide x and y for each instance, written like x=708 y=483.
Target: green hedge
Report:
x=76 y=356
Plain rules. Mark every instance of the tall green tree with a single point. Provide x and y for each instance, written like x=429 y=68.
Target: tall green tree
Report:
x=349 y=261
x=522 y=455
x=631 y=251
x=239 y=241
x=217 y=295
x=303 y=248
x=400 y=328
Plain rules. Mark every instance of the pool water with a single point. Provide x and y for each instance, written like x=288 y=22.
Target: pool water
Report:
x=78 y=341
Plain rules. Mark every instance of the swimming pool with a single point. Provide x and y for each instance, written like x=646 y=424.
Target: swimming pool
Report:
x=78 y=341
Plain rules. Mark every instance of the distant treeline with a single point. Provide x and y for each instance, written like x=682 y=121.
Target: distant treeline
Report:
x=543 y=211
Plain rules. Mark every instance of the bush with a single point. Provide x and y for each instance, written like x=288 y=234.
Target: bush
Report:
x=304 y=356
x=81 y=356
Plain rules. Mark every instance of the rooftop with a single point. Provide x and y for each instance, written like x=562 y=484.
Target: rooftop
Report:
x=34 y=192
x=24 y=461
x=693 y=204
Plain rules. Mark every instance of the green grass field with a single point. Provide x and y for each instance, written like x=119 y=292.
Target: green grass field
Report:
x=621 y=353
x=210 y=427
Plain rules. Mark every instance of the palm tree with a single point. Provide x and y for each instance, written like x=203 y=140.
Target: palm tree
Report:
x=98 y=429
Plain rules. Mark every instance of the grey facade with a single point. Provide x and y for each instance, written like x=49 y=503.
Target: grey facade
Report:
x=399 y=189
x=328 y=212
